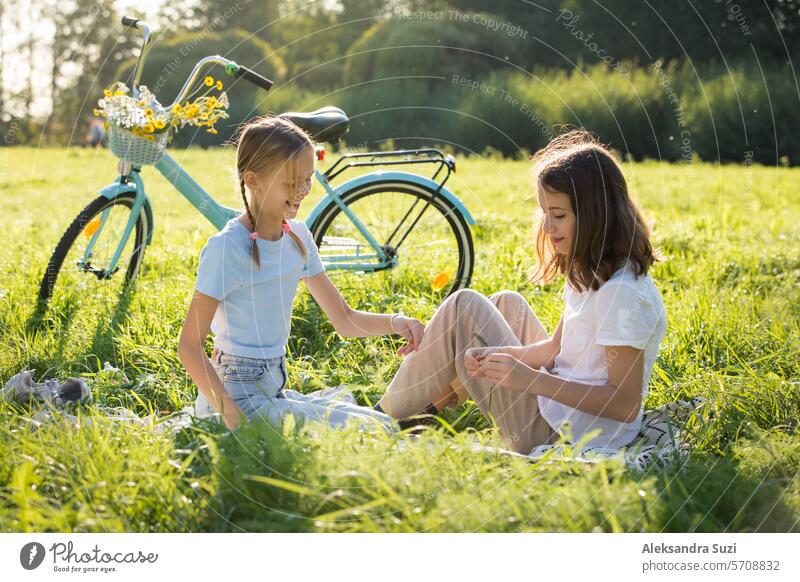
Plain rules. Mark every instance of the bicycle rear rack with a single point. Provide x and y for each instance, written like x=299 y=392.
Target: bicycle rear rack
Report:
x=446 y=163
x=409 y=157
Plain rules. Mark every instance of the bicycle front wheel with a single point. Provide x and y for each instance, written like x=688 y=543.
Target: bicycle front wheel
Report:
x=428 y=238
x=77 y=280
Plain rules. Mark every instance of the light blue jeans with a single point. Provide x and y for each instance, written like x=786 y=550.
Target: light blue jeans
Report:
x=258 y=387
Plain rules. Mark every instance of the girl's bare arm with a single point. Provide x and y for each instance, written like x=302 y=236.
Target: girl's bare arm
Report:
x=542 y=353
x=192 y=355
x=536 y=355
x=619 y=399
x=349 y=322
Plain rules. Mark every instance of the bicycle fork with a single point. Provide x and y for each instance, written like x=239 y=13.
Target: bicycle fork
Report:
x=121 y=186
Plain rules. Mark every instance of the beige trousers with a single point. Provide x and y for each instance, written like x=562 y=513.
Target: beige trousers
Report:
x=505 y=318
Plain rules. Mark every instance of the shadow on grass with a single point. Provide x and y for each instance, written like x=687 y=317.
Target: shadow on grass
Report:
x=103 y=340
x=720 y=494
x=57 y=321
x=45 y=320
x=261 y=473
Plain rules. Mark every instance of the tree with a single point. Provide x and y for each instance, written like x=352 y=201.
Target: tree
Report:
x=434 y=47
x=93 y=42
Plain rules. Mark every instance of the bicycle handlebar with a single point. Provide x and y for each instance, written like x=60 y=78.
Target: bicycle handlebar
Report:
x=232 y=68
x=137 y=71
x=235 y=70
x=253 y=77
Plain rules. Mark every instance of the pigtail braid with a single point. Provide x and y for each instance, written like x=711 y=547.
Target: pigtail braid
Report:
x=254 y=247
x=296 y=239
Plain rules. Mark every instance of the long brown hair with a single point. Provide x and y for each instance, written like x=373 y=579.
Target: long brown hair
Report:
x=609 y=227
x=264 y=143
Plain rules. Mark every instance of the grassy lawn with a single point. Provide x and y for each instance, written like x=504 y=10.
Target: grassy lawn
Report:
x=731 y=285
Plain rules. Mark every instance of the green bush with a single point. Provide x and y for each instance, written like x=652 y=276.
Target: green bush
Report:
x=670 y=112
x=742 y=111
x=403 y=80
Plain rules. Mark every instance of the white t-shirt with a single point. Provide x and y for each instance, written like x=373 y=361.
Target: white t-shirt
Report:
x=255 y=310
x=624 y=311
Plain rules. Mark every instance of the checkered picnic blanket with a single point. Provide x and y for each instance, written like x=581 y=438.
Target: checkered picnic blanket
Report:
x=661 y=439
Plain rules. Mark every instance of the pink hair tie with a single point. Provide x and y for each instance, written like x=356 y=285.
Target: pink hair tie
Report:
x=286 y=227
x=253 y=235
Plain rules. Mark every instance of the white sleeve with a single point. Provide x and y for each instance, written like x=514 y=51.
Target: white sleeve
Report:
x=625 y=315
x=216 y=273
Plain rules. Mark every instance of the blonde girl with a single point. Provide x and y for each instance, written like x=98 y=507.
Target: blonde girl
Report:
x=586 y=381
x=246 y=282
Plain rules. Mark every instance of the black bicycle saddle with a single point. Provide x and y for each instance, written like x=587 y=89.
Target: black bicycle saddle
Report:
x=325 y=124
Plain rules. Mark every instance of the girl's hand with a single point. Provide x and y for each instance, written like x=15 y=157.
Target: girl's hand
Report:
x=411 y=329
x=506 y=371
x=231 y=420
x=473 y=358
x=232 y=415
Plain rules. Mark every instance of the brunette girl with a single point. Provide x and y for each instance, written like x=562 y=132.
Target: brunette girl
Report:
x=587 y=380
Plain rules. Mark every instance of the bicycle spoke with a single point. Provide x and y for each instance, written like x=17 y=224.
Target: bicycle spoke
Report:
x=402 y=221
x=80 y=297
x=429 y=259
x=412 y=225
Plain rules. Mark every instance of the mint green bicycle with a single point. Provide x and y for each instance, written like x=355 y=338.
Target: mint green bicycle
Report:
x=405 y=227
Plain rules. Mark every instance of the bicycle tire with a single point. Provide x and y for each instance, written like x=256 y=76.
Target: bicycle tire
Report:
x=451 y=214
x=93 y=209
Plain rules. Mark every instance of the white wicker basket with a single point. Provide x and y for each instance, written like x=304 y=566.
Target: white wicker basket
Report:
x=137 y=150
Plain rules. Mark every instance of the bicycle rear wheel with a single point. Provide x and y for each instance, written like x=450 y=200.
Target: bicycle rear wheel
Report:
x=83 y=290
x=427 y=235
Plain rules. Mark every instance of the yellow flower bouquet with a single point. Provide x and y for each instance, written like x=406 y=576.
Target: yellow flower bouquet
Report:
x=140 y=128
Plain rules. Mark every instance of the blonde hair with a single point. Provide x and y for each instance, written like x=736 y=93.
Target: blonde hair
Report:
x=263 y=143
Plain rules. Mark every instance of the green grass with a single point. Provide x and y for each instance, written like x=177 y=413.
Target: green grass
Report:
x=731 y=285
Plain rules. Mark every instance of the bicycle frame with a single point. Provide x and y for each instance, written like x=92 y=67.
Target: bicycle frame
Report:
x=130 y=181
x=219 y=214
